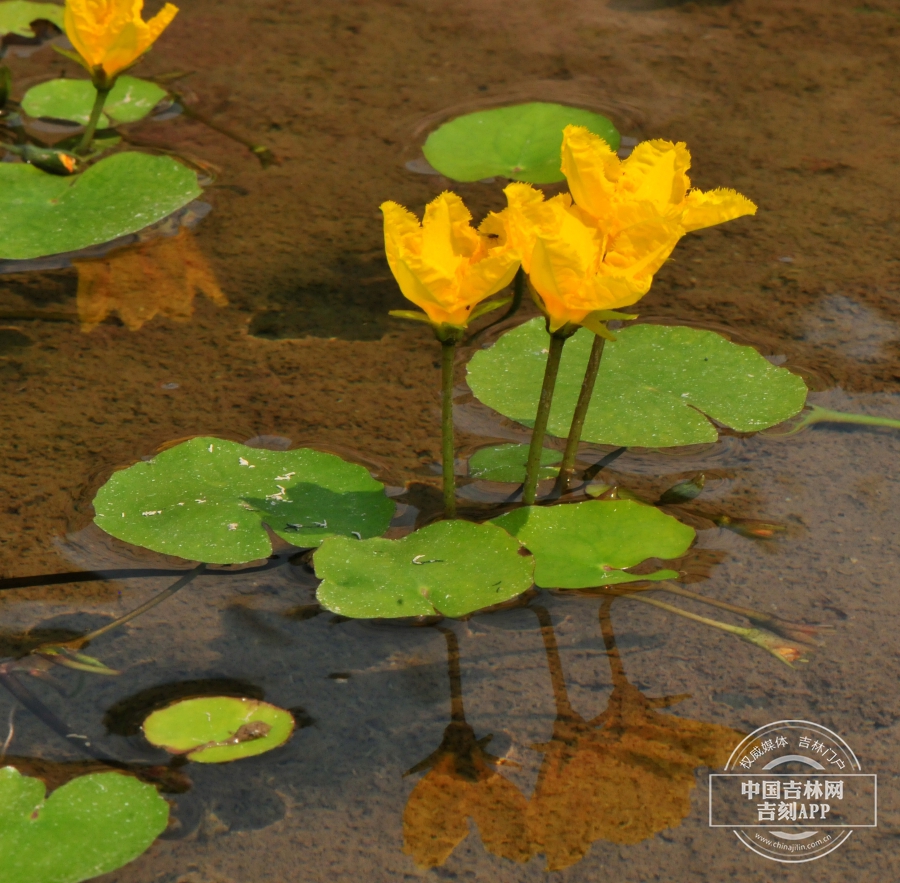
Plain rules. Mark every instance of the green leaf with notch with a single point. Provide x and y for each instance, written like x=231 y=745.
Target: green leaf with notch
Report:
x=218 y=729
x=658 y=386
x=209 y=500
x=521 y=142
x=130 y=100
x=43 y=214
x=16 y=16
x=507 y=463
x=452 y=567
x=90 y=826
x=581 y=545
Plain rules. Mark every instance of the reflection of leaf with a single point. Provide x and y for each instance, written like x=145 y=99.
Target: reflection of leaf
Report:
x=160 y=276
x=461 y=783
x=623 y=776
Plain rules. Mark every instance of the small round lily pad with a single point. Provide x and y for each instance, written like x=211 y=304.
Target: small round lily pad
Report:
x=521 y=142
x=658 y=385
x=16 y=16
x=507 y=463
x=208 y=499
x=218 y=729
x=582 y=545
x=90 y=826
x=452 y=567
x=130 y=100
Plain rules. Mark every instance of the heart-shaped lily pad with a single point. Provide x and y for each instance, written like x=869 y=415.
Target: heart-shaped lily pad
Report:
x=16 y=16
x=130 y=100
x=43 y=214
x=507 y=463
x=218 y=729
x=452 y=567
x=207 y=499
x=521 y=142
x=581 y=545
x=655 y=385
x=90 y=826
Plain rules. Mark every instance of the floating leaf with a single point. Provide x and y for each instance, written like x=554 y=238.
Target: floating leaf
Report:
x=581 y=545
x=218 y=729
x=208 y=499
x=43 y=214
x=16 y=16
x=658 y=385
x=521 y=142
x=507 y=463
x=130 y=100
x=453 y=567
x=90 y=826
x=156 y=277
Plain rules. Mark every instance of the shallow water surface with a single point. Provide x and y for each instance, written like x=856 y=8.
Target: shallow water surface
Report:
x=267 y=321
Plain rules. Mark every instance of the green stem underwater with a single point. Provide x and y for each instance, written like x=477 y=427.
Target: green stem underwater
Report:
x=448 y=452
x=557 y=341
x=567 y=467
x=826 y=415
x=88 y=136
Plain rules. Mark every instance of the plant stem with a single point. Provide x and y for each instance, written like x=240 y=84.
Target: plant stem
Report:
x=567 y=467
x=448 y=452
x=543 y=415
x=156 y=599
x=96 y=110
x=826 y=415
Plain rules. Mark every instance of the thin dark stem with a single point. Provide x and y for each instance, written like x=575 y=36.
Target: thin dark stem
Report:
x=448 y=448
x=567 y=467
x=156 y=599
x=88 y=136
x=554 y=664
x=457 y=713
x=609 y=641
x=543 y=415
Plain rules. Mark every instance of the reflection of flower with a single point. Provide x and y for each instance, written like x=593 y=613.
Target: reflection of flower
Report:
x=622 y=776
x=111 y=35
x=159 y=276
x=601 y=252
x=461 y=783
x=443 y=265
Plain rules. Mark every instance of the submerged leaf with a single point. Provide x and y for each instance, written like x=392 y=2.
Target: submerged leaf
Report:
x=90 y=826
x=208 y=499
x=130 y=100
x=43 y=214
x=507 y=463
x=521 y=142
x=658 y=386
x=581 y=545
x=452 y=567
x=218 y=729
x=157 y=277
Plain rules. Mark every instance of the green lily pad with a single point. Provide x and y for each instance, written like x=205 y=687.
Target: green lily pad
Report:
x=218 y=729
x=130 y=100
x=507 y=463
x=43 y=214
x=90 y=826
x=452 y=567
x=208 y=499
x=658 y=386
x=581 y=545
x=16 y=16
x=521 y=142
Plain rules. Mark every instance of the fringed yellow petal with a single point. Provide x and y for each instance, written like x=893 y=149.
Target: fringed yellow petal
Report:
x=714 y=207
x=656 y=173
x=592 y=169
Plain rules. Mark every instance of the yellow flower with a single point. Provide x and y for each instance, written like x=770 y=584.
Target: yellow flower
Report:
x=601 y=252
x=444 y=265
x=110 y=35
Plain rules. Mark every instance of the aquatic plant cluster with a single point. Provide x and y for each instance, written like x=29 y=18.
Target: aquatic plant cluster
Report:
x=584 y=371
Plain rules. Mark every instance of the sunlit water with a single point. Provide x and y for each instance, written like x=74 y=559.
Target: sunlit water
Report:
x=302 y=350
